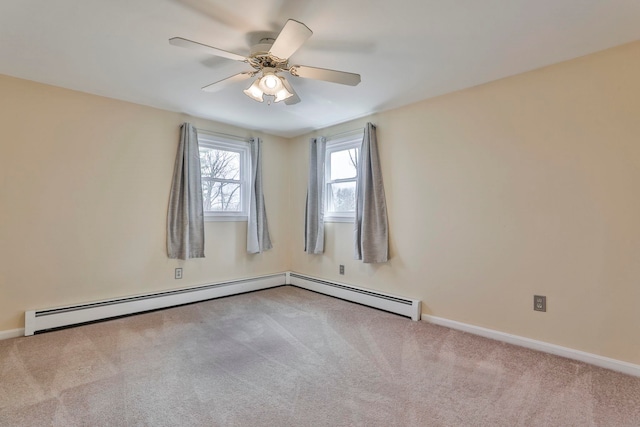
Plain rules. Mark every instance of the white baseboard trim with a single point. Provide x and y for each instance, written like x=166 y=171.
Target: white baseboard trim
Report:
x=569 y=353
x=11 y=333
x=393 y=303
x=52 y=318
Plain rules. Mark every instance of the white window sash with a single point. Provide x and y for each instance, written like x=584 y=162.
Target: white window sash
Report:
x=345 y=142
x=236 y=145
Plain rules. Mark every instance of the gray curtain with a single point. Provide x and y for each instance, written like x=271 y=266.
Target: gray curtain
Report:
x=371 y=229
x=258 y=239
x=185 y=218
x=314 y=214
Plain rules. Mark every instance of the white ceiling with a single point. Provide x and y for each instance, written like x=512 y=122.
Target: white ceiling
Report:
x=405 y=50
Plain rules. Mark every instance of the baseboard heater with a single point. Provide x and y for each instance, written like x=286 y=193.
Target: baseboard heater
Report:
x=53 y=318
x=392 y=303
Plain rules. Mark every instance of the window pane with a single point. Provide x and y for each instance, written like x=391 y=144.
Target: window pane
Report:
x=342 y=197
x=220 y=164
x=344 y=164
x=221 y=196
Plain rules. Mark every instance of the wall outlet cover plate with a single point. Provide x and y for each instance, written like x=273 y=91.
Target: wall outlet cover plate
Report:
x=539 y=303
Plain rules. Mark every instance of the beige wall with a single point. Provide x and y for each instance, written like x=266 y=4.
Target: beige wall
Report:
x=528 y=185
x=84 y=189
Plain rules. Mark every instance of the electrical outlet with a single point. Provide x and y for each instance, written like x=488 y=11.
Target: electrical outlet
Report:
x=341 y=269
x=178 y=273
x=539 y=303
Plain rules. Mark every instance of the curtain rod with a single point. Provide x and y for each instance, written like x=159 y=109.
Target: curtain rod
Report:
x=346 y=133
x=223 y=135
x=239 y=138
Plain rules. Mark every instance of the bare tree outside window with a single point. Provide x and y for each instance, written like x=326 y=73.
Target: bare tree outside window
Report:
x=342 y=180
x=221 y=180
x=353 y=158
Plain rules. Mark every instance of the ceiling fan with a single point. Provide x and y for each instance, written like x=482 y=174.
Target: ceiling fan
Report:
x=269 y=58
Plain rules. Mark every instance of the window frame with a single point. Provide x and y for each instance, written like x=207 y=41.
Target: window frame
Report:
x=346 y=142
x=242 y=147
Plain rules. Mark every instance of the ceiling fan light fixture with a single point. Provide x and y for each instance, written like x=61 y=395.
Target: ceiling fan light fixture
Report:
x=254 y=92
x=269 y=84
x=270 y=81
x=282 y=94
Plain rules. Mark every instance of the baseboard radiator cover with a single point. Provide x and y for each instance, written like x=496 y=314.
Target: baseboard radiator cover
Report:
x=53 y=318
x=383 y=301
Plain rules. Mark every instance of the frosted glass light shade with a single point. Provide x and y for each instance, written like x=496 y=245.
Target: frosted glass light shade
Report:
x=254 y=92
x=269 y=84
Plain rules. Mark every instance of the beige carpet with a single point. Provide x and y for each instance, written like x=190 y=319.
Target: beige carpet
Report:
x=289 y=357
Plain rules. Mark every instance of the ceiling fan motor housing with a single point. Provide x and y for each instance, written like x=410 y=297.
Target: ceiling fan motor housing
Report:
x=261 y=58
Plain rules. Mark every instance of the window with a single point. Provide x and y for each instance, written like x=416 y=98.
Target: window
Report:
x=341 y=172
x=225 y=170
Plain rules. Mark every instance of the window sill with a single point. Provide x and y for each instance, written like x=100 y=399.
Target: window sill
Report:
x=350 y=219
x=226 y=218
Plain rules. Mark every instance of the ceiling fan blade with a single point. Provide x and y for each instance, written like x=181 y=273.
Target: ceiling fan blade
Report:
x=334 y=76
x=221 y=84
x=292 y=99
x=292 y=36
x=189 y=44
